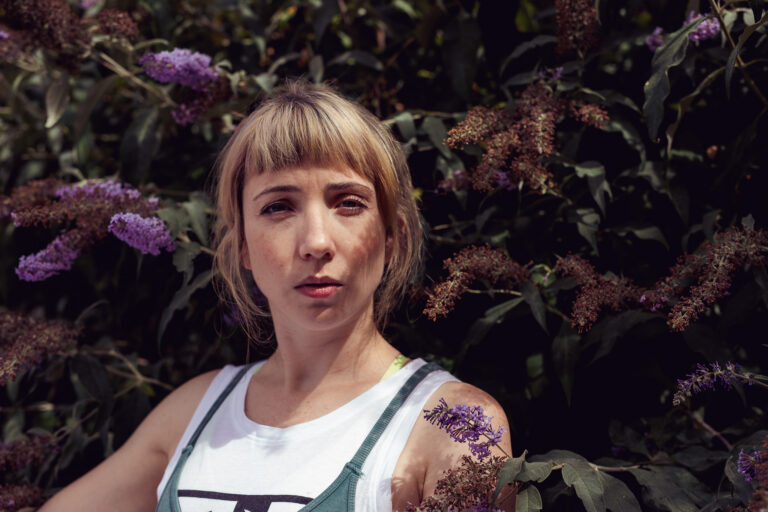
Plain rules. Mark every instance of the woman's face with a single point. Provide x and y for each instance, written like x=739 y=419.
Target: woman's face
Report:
x=315 y=243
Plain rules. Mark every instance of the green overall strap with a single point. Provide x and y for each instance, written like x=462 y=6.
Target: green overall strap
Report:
x=340 y=495
x=169 y=501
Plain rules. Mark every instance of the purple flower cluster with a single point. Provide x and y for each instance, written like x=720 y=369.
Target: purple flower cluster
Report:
x=58 y=256
x=655 y=39
x=148 y=235
x=3 y=34
x=707 y=29
x=180 y=66
x=746 y=464
x=106 y=189
x=466 y=424
x=706 y=378
x=655 y=304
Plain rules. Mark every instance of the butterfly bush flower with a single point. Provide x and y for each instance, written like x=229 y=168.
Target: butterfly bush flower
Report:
x=57 y=257
x=746 y=464
x=15 y=497
x=3 y=34
x=148 y=235
x=466 y=424
x=707 y=377
x=655 y=39
x=180 y=66
x=707 y=29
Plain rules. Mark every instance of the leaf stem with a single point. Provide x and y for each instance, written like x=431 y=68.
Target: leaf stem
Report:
x=739 y=62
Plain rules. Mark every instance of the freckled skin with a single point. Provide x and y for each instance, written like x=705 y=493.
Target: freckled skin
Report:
x=313 y=229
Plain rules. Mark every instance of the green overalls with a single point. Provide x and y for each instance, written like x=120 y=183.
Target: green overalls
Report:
x=340 y=495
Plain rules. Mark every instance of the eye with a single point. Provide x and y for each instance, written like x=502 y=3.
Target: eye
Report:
x=276 y=207
x=352 y=204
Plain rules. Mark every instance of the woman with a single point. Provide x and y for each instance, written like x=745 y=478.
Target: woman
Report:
x=315 y=207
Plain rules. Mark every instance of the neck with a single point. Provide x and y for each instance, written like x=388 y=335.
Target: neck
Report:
x=351 y=353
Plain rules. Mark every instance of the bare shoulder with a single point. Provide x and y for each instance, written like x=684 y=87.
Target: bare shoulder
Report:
x=429 y=451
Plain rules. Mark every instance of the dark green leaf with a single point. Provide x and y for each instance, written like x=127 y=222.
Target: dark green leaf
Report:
x=436 y=132
x=608 y=330
x=657 y=88
x=316 y=69
x=535 y=471
x=537 y=41
x=672 y=489
x=56 y=99
x=508 y=473
x=323 y=14
x=594 y=172
x=353 y=57
x=480 y=327
x=618 y=497
x=92 y=98
x=626 y=437
x=140 y=142
x=757 y=8
x=629 y=133
x=565 y=354
x=181 y=299
x=587 y=482
x=196 y=209
x=733 y=57
x=587 y=222
x=461 y=42
x=92 y=376
x=528 y=500
x=183 y=258
x=532 y=296
x=644 y=233
x=406 y=126
x=686 y=103
x=177 y=219
x=698 y=458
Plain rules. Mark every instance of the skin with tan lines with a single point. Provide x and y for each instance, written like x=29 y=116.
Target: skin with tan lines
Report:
x=315 y=239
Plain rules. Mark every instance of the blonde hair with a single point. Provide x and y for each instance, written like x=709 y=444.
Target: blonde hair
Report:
x=301 y=124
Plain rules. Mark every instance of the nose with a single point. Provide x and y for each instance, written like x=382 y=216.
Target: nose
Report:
x=316 y=240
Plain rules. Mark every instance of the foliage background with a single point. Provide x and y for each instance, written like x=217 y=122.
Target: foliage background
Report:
x=77 y=105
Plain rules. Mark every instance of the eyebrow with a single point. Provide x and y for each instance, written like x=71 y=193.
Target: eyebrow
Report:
x=333 y=187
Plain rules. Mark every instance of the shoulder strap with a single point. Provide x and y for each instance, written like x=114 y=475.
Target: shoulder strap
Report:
x=169 y=501
x=395 y=404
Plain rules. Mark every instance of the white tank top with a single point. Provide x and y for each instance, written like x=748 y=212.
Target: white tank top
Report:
x=281 y=469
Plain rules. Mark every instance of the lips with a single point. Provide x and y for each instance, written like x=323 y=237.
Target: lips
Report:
x=318 y=287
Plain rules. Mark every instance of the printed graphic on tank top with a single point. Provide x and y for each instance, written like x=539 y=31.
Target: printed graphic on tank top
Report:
x=238 y=465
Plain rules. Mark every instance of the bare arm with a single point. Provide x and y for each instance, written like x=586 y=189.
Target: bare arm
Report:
x=127 y=480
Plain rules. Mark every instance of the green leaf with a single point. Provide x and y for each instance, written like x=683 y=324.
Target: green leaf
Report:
x=643 y=233
x=266 y=81
x=183 y=258
x=322 y=16
x=181 y=299
x=629 y=133
x=565 y=354
x=698 y=458
x=672 y=489
x=587 y=482
x=354 y=57
x=731 y=63
x=618 y=497
x=92 y=376
x=406 y=126
x=686 y=102
x=177 y=219
x=480 y=327
x=196 y=209
x=537 y=41
x=594 y=172
x=626 y=437
x=461 y=41
x=56 y=99
x=316 y=69
x=436 y=132
x=535 y=471
x=140 y=142
x=587 y=222
x=508 y=473
x=532 y=296
x=657 y=88
x=608 y=330
x=92 y=98
x=528 y=500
